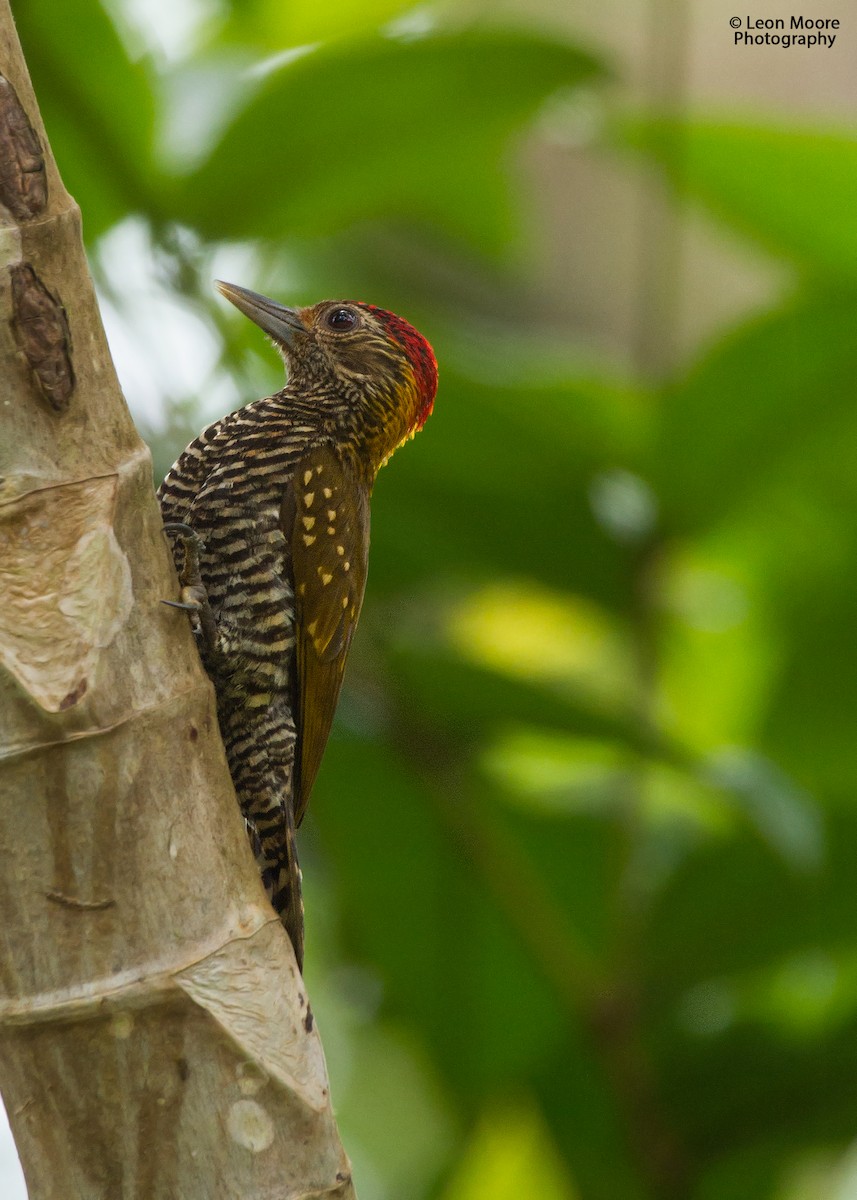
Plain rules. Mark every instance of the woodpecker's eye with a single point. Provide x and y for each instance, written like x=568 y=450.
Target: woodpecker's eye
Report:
x=341 y=319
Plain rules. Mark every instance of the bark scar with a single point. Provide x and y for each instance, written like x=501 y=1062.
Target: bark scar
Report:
x=82 y=905
x=40 y=326
x=23 y=181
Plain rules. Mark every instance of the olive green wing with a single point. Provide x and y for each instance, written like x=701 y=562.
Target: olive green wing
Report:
x=328 y=513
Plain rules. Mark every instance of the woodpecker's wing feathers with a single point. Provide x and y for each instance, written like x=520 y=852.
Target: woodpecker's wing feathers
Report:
x=328 y=527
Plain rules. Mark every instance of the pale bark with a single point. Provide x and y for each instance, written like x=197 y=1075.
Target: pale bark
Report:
x=156 y=1040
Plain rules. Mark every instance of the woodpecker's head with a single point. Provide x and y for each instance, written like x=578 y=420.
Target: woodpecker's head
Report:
x=373 y=361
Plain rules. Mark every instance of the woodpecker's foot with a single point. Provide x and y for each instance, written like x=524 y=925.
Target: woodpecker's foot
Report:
x=194 y=597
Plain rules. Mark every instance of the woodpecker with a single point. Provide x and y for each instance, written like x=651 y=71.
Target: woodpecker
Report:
x=270 y=508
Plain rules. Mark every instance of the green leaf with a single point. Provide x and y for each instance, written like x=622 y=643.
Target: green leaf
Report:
x=751 y=403
x=719 y=655
x=810 y=721
x=468 y=702
x=511 y=1155
x=795 y=191
x=381 y=128
x=265 y=23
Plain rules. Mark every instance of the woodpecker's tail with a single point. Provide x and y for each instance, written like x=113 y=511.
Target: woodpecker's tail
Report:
x=276 y=849
x=261 y=757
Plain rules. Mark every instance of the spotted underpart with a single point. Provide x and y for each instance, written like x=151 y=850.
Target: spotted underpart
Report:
x=278 y=494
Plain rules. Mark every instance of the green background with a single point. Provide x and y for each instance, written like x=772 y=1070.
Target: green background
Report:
x=580 y=864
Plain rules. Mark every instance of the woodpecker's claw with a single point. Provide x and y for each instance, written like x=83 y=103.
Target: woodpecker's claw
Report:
x=180 y=527
x=194 y=596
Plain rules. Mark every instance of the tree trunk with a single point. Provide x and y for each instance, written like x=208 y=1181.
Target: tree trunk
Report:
x=156 y=1040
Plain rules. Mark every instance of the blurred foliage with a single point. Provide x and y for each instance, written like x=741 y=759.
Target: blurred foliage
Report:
x=580 y=861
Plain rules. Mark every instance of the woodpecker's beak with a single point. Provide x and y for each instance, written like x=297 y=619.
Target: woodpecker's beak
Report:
x=281 y=323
